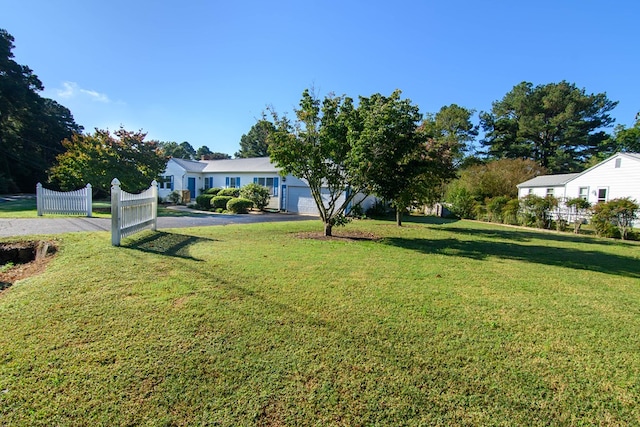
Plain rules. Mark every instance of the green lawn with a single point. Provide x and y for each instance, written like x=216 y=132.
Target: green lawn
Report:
x=435 y=323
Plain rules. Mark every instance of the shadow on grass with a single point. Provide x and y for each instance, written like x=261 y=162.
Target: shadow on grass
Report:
x=169 y=244
x=562 y=257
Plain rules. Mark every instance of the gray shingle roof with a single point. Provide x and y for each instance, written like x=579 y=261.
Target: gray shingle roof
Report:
x=549 y=180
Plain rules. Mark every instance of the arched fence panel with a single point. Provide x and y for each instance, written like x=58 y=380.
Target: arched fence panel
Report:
x=132 y=213
x=76 y=202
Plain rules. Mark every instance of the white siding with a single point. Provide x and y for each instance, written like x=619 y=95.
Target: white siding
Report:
x=558 y=191
x=619 y=182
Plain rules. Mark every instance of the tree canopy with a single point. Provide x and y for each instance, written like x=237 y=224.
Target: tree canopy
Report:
x=99 y=157
x=314 y=148
x=31 y=127
x=452 y=127
x=557 y=125
x=184 y=150
x=255 y=143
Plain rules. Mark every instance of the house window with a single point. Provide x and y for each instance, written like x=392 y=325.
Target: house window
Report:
x=550 y=192
x=232 y=182
x=530 y=191
x=583 y=193
x=618 y=162
x=208 y=182
x=602 y=195
x=166 y=182
x=270 y=183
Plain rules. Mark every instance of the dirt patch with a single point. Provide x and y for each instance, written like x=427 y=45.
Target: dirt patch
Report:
x=340 y=236
x=19 y=260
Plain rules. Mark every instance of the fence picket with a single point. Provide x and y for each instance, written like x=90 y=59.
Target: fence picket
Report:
x=132 y=213
x=78 y=202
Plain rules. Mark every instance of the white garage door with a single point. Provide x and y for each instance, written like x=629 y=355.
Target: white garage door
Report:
x=300 y=200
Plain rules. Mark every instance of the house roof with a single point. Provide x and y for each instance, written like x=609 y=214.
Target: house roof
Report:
x=562 y=179
x=189 y=165
x=255 y=164
x=549 y=180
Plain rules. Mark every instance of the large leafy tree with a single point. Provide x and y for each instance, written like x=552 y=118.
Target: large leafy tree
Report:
x=184 y=150
x=99 y=157
x=314 y=147
x=389 y=155
x=624 y=139
x=255 y=143
x=206 y=154
x=31 y=127
x=557 y=125
x=452 y=127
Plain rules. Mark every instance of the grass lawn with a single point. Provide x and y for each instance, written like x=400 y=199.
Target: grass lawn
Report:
x=434 y=323
x=26 y=208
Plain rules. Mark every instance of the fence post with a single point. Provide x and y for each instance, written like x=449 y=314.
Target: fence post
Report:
x=39 y=198
x=89 y=200
x=115 y=212
x=154 y=206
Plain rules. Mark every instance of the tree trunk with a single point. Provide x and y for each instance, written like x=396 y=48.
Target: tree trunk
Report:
x=327 y=229
x=399 y=213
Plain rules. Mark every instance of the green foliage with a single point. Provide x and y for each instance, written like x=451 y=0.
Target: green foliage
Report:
x=510 y=212
x=315 y=148
x=239 y=205
x=174 y=197
x=452 y=126
x=100 y=157
x=220 y=202
x=204 y=201
x=205 y=153
x=537 y=210
x=213 y=190
x=379 y=209
x=557 y=125
x=460 y=201
x=495 y=178
x=615 y=218
x=183 y=150
x=257 y=193
x=232 y=192
x=495 y=207
x=256 y=142
x=31 y=127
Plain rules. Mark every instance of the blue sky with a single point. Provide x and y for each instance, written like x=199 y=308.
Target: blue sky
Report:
x=203 y=71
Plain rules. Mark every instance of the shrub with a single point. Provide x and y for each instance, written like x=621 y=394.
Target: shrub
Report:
x=495 y=207
x=213 y=191
x=538 y=209
x=578 y=207
x=461 y=202
x=220 y=202
x=257 y=193
x=174 y=197
x=510 y=212
x=239 y=205
x=204 y=201
x=615 y=218
x=379 y=209
x=231 y=192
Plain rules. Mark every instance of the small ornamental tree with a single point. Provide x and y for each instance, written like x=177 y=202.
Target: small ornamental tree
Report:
x=257 y=193
x=579 y=208
x=617 y=214
x=539 y=209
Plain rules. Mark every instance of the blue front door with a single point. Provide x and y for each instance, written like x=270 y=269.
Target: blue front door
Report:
x=191 y=186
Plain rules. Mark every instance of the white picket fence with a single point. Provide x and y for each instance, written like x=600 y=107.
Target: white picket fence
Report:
x=131 y=213
x=76 y=202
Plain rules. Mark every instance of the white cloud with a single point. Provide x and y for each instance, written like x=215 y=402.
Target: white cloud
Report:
x=73 y=90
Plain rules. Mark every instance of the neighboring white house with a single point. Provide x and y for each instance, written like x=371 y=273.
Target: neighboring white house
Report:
x=616 y=177
x=288 y=193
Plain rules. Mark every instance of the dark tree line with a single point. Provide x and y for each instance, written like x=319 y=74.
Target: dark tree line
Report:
x=31 y=127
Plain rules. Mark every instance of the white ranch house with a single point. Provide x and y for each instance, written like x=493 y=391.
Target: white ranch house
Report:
x=616 y=177
x=288 y=193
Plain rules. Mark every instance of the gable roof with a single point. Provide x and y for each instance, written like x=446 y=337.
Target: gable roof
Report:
x=549 y=180
x=254 y=164
x=562 y=179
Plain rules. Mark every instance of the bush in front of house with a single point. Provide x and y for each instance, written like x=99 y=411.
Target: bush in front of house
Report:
x=174 y=197
x=220 y=202
x=204 y=201
x=213 y=191
x=615 y=218
x=239 y=205
x=258 y=194
x=231 y=192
